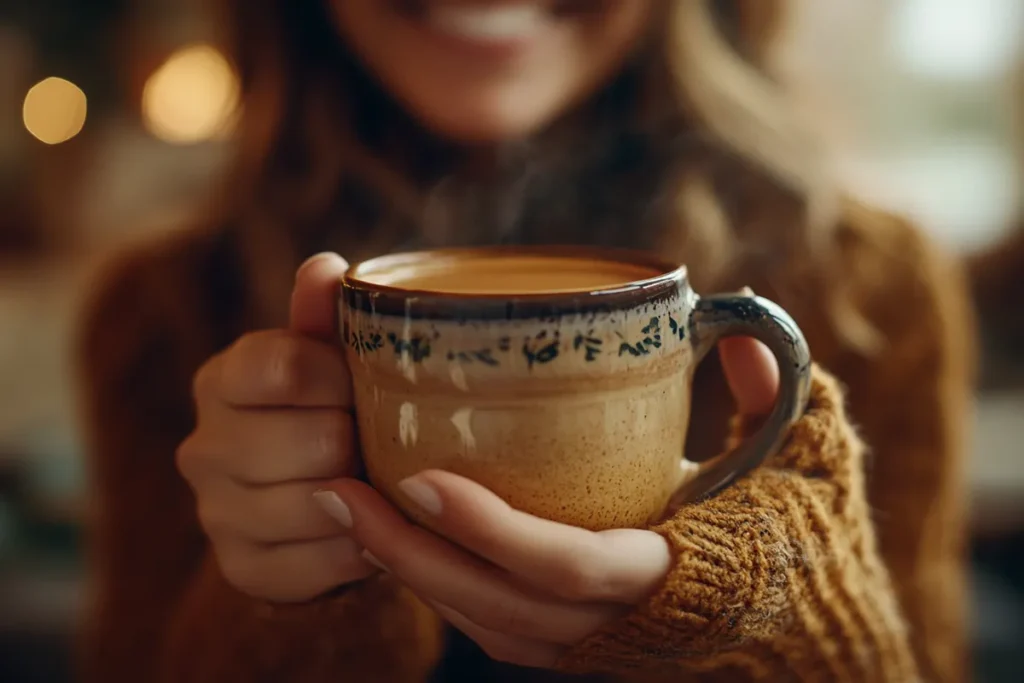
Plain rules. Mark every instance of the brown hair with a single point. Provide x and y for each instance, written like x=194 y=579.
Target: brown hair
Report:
x=696 y=137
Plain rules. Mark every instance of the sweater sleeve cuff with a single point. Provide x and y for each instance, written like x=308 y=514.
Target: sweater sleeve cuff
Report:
x=775 y=578
x=726 y=592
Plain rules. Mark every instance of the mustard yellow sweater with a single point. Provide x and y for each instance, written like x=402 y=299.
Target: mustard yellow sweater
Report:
x=833 y=562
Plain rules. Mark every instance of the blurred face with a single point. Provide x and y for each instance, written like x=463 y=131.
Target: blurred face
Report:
x=487 y=70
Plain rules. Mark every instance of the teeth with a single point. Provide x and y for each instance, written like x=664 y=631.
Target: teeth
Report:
x=507 y=22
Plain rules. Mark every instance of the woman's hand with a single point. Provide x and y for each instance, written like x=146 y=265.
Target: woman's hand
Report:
x=274 y=423
x=525 y=589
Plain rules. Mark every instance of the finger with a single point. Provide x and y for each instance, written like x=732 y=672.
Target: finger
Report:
x=622 y=566
x=500 y=647
x=278 y=368
x=294 y=572
x=752 y=373
x=314 y=305
x=442 y=572
x=265 y=447
x=266 y=515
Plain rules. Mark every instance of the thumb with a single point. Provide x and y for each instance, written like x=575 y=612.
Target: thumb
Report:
x=314 y=306
x=752 y=374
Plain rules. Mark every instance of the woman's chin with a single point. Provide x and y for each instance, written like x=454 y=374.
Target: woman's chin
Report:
x=481 y=125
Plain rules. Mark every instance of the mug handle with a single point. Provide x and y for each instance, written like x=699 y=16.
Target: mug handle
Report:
x=716 y=317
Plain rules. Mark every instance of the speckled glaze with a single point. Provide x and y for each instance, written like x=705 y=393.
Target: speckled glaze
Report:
x=571 y=406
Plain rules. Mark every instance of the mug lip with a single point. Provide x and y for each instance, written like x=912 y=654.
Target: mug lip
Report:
x=360 y=293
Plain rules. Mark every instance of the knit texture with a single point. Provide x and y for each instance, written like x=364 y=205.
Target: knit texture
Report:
x=819 y=566
x=776 y=579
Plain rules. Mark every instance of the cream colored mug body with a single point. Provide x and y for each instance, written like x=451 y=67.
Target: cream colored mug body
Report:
x=570 y=403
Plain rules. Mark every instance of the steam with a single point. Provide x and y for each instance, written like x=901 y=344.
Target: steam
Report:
x=612 y=187
x=609 y=179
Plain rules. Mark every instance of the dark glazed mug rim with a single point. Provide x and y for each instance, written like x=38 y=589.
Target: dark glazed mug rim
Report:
x=370 y=297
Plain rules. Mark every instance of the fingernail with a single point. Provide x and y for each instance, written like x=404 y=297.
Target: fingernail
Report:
x=372 y=559
x=747 y=291
x=333 y=505
x=421 y=493
x=315 y=259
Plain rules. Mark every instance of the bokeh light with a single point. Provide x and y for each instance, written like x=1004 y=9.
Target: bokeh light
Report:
x=192 y=97
x=54 y=110
x=969 y=40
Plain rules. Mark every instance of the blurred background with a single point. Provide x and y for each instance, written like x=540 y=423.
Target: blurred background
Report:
x=115 y=123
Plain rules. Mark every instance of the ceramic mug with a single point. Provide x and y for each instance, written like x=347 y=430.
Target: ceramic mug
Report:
x=559 y=378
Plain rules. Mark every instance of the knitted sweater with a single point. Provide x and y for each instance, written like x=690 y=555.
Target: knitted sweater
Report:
x=826 y=564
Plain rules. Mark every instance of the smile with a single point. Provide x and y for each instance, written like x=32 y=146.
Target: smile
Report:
x=494 y=22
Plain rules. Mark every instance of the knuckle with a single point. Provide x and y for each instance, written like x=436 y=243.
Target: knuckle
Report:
x=252 y=518
x=188 y=459
x=242 y=571
x=262 y=366
x=204 y=381
x=282 y=376
x=333 y=444
x=211 y=518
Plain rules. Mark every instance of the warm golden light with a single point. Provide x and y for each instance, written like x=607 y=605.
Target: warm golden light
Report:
x=54 y=110
x=192 y=97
